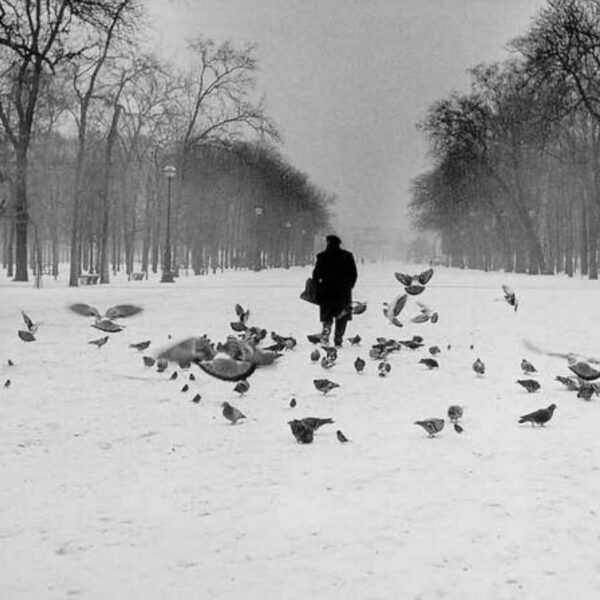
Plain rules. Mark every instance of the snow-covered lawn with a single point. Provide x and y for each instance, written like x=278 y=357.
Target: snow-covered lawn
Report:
x=114 y=484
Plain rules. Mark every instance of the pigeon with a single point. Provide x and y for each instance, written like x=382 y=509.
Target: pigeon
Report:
x=286 y=342
x=510 y=297
x=434 y=318
x=359 y=364
x=327 y=362
x=341 y=437
x=331 y=352
x=26 y=336
x=107 y=326
x=231 y=413
x=243 y=315
x=433 y=350
x=184 y=364
x=587 y=391
x=431 y=426
x=315 y=355
x=531 y=385
x=140 y=346
x=196 y=398
x=424 y=315
x=192 y=349
x=314 y=338
x=31 y=326
x=384 y=368
x=479 y=367
x=455 y=412
x=241 y=387
x=185 y=388
x=430 y=363
x=539 y=417
x=358 y=308
x=315 y=422
x=238 y=326
x=119 y=311
x=7 y=383
x=302 y=432
x=354 y=341
x=99 y=342
x=411 y=344
x=162 y=364
x=570 y=382
x=458 y=428
x=527 y=367
x=192 y=377
x=148 y=361
x=227 y=369
x=10 y=363
x=324 y=385
x=583 y=370
x=392 y=309
x=174 y=376
x=293 y=403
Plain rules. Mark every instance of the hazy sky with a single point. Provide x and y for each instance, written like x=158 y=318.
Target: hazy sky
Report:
x=348 y=80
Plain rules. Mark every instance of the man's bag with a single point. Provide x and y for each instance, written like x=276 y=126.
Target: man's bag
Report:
x=310 y=291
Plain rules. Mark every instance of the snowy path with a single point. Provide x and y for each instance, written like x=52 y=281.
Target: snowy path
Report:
x=116 y=485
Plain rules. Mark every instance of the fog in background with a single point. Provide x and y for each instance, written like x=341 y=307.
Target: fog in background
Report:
x=348 y=80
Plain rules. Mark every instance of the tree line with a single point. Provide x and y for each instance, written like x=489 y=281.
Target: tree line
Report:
x=515 y=181
x=89 y=119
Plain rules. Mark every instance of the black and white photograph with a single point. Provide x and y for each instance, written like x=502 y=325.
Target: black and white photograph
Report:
x=299 y=299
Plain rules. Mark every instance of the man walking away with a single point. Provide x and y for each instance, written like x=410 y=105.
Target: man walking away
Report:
x=335 y=275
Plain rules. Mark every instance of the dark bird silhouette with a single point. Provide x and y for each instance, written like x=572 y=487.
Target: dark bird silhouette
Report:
x=293 y=403
x=431 y=426
x=358 y=308
x=99 y=342
x=238 y=326
x=424 y=277
x=107 y=326
x=331 y=352
x=148 y=361
x=479 y=367
x=510 y=297
x=384 y=368
x=31 y=326
x=571 y=383
x=531 y=385
x=341 y=437
x=359 y=364
x=430 y=363
x=414 y=290
x=392 y=309
x=231 y=413
x=315 y=355
x=174 y=375
x=286 y=342
x=404 y=279
x=161 y=365
x=227 y=369
x=26 y=336
x=587 y=391
x=435 y=317
x=241 y=387
x=458 y=428
x=584 y=371
x=324 y=385
x=434 y=350
x=7 y=383
x=10 y=363
x=314 y=338
x=196 y=398
x=455 y=412
x=185 y=388
x=355 y=340
x=527 y=367
x=140 y=346
x=411 y=344
x=184 y=364
x=327 y=362
x=539 y=417
x=192 y=377
x=315 y=422
x=243 y=315
x=302 y=432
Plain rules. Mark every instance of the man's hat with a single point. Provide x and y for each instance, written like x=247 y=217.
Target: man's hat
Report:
x=333 y=240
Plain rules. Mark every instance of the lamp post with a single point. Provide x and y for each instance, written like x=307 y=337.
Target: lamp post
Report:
x=258 y=211
x=288 y=227
x=167 y=275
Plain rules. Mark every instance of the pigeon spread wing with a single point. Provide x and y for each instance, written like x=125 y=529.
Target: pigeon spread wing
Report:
x=84 y=309
x=188 y=350
x=227 y=369
x=123 y=310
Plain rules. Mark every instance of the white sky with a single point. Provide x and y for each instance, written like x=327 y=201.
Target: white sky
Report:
x=347 y=80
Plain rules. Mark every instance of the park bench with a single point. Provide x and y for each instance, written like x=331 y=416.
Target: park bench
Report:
x=88 y=279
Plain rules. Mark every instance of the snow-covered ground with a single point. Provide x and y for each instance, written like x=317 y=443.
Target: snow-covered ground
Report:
x=114 y=484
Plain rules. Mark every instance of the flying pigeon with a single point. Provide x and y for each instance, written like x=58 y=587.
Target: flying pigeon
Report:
x=302 y=432
x=99 y=342
x=431 y=426
x=243 y=315
x=510 y=297
x=584 y=371
x=430 y=363
x=140 y=346
x=527 y=367
x=404 y=278
x=531 y=385
x=231 y=413
x=392 y=309
x=359 y=364
x=341 y=437
x=31 y=326
x=238 y=326
x=148 y=361
x=324 y=385
x=455 y=412
x=241 y=387
x=479 y=367
x=539 y=417
x=107 y=326
x=26 y=336
x=414 y=290
x=424 y=277
x=355 y=340
x=119 y=311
